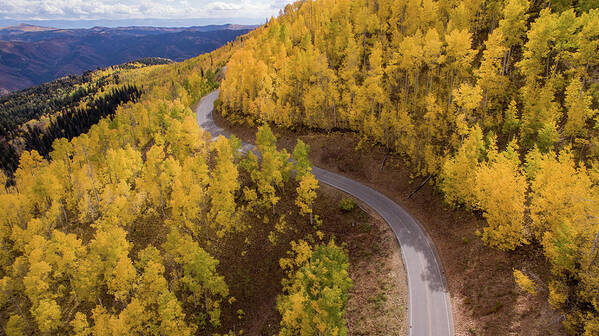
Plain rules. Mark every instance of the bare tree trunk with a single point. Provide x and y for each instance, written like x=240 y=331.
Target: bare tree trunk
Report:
x=21 y=313
x=506 y=60
x=334 y=114
x=385 y=159
x=451 y=82
x=420 y=186
x=91 y=176
x=416 y=78
x=592 y=255
x=406 y=90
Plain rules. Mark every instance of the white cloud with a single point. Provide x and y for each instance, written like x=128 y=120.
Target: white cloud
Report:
x=224 y=6
x=131 y=9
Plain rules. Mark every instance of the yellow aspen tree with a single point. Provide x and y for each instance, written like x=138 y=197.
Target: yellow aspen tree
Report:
x=348 y=71
x=511 y=120
x=459 y=56
x=30 y=182
x=164 y=312
x=123 y=279
x=316 y=293
x=39 y=287
x=15 y=326
x=458 y=173
x=410 y=60
x=524 y=282
x=578 y=108
x=62 y=167
x=122 y=165
x=491 y=77
x=133 y=320
x=537 y=48
x=47 y=315
x=560 y=192
x=432 y=47
x=468 y=98
x=149 y=179
x=429 y=13
x=63 y=253
x=80 y=325
x=302 y=162
x=513 y=27
x=222 y=188
x=539 y=117
x=306 y=194
x=501 y=195
x=96 y=269
x=273 y=169
x=373 y=83
x=172 y=317
x=102 y=321
x=205 y=287
x=587 y=43
x=188 y=201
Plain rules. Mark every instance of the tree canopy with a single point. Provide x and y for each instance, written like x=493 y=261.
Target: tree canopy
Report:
x=498 y=100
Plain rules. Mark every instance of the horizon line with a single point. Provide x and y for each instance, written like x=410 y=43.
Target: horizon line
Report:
x=113 y=23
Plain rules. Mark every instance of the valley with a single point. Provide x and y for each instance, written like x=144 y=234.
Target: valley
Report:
x=31 y=55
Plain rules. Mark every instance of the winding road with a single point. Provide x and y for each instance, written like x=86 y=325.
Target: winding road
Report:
x=429 y=308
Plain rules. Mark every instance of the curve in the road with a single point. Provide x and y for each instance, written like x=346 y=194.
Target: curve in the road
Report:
x=429 y=308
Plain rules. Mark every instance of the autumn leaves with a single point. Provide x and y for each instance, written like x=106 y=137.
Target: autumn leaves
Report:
x=122 y=231
x=497 y=99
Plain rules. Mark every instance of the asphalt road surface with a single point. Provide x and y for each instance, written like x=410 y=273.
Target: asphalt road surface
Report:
x=429 y=307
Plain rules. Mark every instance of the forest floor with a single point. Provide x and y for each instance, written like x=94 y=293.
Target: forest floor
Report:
x=378 y=300
x=484 y=297
x=377 y=303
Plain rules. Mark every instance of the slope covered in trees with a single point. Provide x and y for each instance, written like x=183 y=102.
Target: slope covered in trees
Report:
x=128 y=229
x=22 y=106
x=77 y=121
x=61 y=94
x=33 y=118
x=498 y=100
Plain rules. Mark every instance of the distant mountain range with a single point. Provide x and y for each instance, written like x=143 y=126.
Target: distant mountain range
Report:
x=31 y=55
x=130 y=22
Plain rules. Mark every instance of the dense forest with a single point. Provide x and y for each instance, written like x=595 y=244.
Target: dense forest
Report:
x=122 y=216
x=144 y=225
x=19 y=107
x=33 y=118
x=40 y=102
x=496 y=100
x=77 y=121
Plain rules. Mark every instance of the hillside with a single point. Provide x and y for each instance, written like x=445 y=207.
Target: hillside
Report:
x=480 y=118
x=138 y=222
x=495 y=102
x=33 y=118
x=31 y=55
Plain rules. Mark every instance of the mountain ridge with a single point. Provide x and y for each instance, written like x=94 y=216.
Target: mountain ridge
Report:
x=31 y=55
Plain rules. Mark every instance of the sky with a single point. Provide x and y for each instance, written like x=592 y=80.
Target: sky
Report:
x=218 y=11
